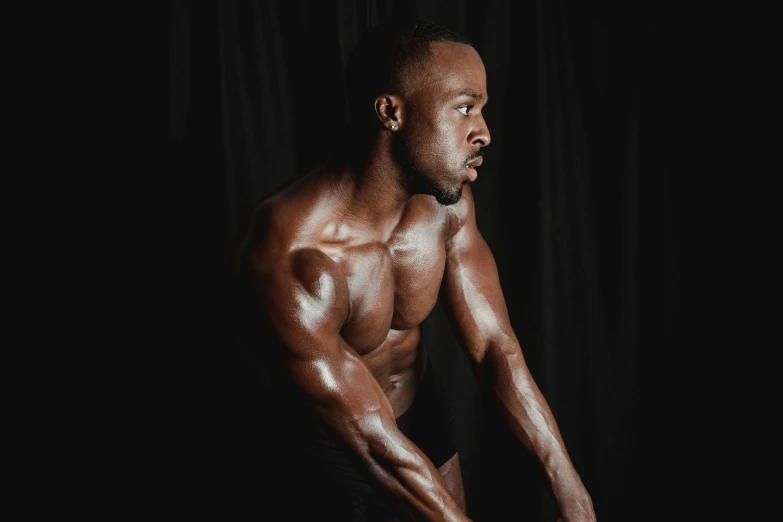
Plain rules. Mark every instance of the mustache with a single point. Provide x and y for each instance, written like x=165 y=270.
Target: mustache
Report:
x=478 y=154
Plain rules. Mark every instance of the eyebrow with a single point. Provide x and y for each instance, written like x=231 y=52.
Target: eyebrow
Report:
x=473 y=94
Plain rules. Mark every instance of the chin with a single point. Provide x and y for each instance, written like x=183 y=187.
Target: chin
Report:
x=448 y=197
x=419 y=183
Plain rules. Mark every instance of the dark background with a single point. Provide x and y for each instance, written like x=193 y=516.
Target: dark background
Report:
x=577 y=199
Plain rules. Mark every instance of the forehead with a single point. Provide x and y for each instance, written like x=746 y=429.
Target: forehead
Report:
x=453 y=68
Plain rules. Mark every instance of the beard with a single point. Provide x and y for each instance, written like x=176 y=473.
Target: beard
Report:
x=417 y=181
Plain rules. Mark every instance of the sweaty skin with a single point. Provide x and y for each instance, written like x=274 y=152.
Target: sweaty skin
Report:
x=349 y=260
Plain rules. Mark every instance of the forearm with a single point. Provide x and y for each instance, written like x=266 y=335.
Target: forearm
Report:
x=530 y=418
x=398 y=465
x=351 y=406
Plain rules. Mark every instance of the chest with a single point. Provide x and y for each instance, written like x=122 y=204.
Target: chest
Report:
x=392 y=285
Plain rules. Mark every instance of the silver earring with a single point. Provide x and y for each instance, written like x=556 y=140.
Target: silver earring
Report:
x=394 y=127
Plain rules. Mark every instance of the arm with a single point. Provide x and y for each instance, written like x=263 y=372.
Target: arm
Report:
x=475 y=305
x=306 y=300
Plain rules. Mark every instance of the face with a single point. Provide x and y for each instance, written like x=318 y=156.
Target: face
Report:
x=444 y=130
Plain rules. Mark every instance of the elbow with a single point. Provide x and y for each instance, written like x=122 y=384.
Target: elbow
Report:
x=383 y=444
x=494 y=353
x=501 y=354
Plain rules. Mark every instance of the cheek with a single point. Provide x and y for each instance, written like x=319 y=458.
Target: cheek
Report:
x=450 y=152
x=443 y=135
x=451 y=130
x=426 y=142
x=433 y=143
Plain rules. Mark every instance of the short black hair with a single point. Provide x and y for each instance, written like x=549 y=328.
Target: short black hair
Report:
x=380 y=60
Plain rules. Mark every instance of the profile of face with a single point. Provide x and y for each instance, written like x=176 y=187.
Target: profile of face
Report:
x=442 y=128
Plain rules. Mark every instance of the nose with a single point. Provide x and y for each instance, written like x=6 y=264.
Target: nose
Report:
x=480 y=136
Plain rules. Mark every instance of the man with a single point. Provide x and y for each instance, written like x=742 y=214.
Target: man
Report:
x=346 y=262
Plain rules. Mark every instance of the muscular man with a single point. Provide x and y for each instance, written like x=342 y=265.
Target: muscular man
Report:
x=347 y=261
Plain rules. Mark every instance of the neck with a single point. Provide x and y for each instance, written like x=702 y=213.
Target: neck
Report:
x=374 y=187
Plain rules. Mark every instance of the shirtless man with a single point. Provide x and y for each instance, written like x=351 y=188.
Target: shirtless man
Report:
x=348 y=260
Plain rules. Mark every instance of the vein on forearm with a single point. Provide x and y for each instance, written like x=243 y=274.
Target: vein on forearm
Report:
x=522 y=402
x=392 y=459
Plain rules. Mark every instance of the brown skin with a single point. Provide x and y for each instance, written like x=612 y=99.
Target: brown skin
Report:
x=349 y=261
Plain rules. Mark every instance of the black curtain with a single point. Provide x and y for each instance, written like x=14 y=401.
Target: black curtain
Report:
x=574 y=199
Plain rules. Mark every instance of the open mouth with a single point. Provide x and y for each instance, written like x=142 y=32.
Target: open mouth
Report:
x=471 y=168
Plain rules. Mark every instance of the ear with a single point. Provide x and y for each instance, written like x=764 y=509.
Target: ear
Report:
x=388 y=109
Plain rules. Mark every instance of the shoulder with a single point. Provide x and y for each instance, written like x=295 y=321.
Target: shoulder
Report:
x=305 y=285
x=461 y=214
x=282 y=225
x=287 y=266
x=284 y=252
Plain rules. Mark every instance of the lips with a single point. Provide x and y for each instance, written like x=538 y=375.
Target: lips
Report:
x=471 y=168
x=476 y=162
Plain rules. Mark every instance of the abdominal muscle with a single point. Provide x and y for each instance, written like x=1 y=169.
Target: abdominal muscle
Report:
x=398 y=365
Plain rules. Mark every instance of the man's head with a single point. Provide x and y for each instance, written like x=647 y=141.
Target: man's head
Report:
x=424 y=87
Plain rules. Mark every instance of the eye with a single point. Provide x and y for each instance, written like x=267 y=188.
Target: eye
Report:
x=466 y=108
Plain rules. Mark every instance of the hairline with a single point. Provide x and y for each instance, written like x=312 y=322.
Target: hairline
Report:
x=420 y=66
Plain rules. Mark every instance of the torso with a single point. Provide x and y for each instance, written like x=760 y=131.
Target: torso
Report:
x=393 y=279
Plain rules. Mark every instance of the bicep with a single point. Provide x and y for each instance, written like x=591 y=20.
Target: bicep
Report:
x=471 y=291
x=306 y=306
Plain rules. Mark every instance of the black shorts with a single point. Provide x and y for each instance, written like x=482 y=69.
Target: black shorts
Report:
x=428 y=422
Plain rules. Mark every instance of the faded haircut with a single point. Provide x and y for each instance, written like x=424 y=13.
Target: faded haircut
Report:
x=383 y=58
